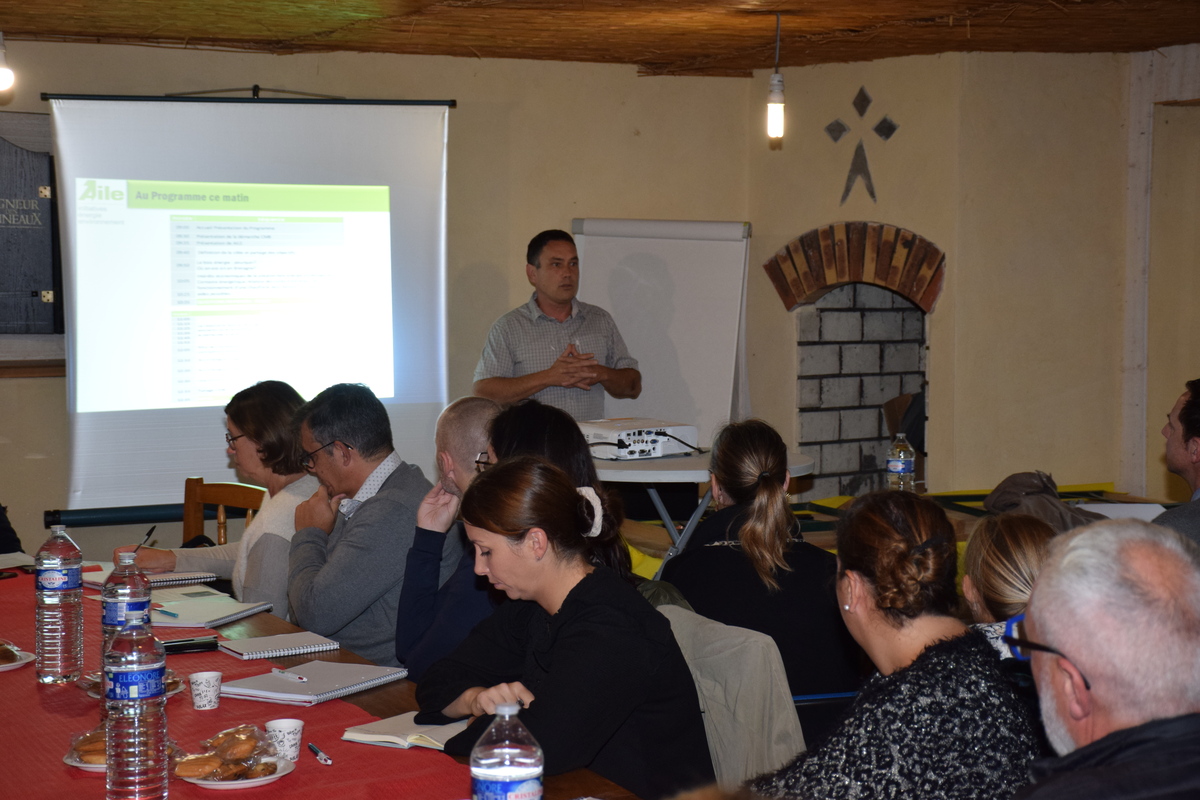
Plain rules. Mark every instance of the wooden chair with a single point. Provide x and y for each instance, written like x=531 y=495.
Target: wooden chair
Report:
x=197 y=493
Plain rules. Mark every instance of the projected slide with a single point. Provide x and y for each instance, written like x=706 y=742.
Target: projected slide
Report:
x=188 y=292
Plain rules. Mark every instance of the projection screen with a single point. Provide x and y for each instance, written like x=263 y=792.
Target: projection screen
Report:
x=208 y=245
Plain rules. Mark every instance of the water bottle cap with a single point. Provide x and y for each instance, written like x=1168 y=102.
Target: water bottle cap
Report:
x=507 y=709
x=126 y=558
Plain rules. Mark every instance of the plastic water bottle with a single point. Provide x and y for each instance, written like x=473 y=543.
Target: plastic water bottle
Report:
x=59 y=609
x=902 y=465
x=507 y=761
x=136 y=742
x=127 y=589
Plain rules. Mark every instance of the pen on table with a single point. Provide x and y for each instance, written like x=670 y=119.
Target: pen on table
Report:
x=149 y=533
x=166 y=613
x=324 y=759
x=291 y=676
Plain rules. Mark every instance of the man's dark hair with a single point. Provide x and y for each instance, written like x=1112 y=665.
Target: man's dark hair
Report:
x=349 y=413
x=1189 y=415
x=539 y=242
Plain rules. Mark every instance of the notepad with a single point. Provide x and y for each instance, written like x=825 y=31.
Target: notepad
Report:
x=403 y=731
x=326 y=680
x=283 y=644
x=207 y=612
x=95 y=580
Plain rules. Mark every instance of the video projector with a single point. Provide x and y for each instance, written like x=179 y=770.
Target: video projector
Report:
x=635 y=437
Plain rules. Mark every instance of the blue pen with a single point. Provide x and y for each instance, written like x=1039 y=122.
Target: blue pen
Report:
x=164 y=612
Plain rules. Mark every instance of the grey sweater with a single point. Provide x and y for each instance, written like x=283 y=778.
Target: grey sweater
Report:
x=346 y=585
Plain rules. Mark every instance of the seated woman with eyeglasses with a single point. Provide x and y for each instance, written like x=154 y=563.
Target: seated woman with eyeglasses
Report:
x=939 y=720
x=595 y=666
x=265 y=451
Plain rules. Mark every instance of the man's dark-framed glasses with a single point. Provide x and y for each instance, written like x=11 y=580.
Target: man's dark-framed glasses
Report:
x=1022 y=648
x=307 y=459
x=482 y=462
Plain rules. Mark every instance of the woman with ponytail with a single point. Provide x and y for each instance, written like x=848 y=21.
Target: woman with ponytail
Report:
x=595 y=667
x=748 y=566
x=940 y=720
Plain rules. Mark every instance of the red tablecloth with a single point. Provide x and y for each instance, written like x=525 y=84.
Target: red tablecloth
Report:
x=40 y=720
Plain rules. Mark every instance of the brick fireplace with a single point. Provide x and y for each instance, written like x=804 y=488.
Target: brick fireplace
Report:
x=859 y=346
x=861 y=292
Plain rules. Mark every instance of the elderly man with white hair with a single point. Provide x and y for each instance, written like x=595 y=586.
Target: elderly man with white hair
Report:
x=1113 y=629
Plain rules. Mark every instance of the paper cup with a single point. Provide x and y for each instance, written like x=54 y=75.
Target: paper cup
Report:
x=285 y=735
x=206 y=690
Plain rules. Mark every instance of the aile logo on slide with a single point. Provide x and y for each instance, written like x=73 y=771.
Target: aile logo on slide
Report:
x=98 y=190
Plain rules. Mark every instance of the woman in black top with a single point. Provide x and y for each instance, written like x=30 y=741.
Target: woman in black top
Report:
x=597 y=669
x=748 y=566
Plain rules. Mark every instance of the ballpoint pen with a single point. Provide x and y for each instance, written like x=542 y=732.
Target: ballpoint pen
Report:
x=149 y=533
x=291 y=676
x=324 y=759
x=166 y=613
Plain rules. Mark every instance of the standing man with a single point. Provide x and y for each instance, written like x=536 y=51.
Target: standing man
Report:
x=1113 y=628
x=352 y=537
x=555 y=348
x=1182 y=433
x=435 y=617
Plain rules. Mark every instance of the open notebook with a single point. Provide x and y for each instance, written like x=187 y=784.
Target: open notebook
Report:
x=326 y=680
x=403 y=731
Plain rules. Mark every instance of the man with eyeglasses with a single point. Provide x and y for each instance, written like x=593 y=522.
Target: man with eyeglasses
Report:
x=435 y=616
x=1182 y=433
x=1113 y=630
x=353 y=535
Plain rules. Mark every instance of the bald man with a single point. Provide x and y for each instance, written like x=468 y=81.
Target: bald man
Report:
x=432 y=620
x=1113 y=628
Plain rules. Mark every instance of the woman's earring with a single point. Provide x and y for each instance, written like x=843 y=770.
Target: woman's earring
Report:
x=846 y=607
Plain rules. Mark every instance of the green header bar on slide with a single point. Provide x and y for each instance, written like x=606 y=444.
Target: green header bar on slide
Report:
x=255 y=197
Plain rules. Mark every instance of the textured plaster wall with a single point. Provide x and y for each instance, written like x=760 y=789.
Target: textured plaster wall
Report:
x=1011 y=163
x=1173 y=328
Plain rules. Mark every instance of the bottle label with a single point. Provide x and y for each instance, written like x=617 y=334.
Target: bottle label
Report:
x=530 y=789
x=134 y=684
x=116 y=611
x=900 y=466
x=60 y=580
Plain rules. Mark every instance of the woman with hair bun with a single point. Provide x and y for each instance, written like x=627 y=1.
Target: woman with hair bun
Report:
x=754 y=570
x=939 y=720
x=597 y=669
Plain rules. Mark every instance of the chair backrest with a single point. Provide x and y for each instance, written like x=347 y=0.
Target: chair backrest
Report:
x=749 y=718
x=197 y=493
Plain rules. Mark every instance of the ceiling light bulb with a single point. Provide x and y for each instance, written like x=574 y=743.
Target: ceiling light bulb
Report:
x=775 y=107
x=7 y=78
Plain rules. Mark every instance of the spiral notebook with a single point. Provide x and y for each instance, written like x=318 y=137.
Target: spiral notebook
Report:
x=207 y=612
x=325 y=680
x=283 y=644
x=96 y=579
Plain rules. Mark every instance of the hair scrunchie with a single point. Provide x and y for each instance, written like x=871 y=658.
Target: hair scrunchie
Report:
x=597 y=509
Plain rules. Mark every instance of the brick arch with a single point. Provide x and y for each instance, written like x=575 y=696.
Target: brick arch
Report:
x=857 y=252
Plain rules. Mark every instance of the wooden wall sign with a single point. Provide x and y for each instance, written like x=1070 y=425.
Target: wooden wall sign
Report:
x=30 y=275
